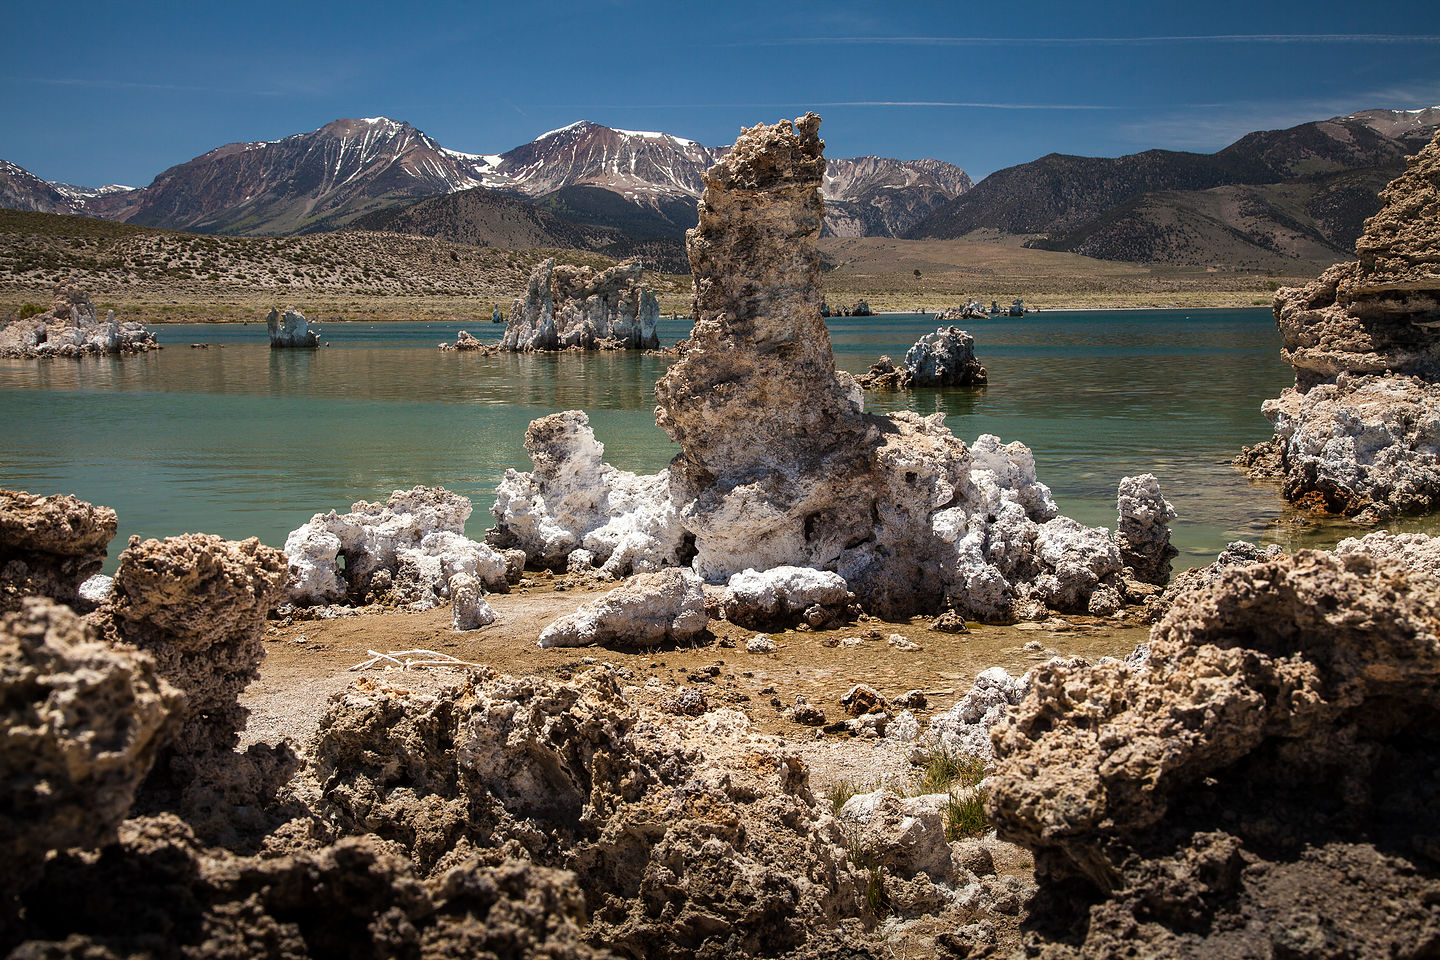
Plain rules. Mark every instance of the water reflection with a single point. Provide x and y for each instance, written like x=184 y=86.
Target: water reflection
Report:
x=242 y=440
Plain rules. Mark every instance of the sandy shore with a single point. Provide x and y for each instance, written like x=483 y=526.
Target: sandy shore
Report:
x=309 y=661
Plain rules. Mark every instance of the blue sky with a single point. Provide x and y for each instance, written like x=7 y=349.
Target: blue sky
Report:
x=117 y=92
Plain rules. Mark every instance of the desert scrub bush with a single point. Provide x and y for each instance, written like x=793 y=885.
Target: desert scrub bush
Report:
x=965 y=816
x=28 y=310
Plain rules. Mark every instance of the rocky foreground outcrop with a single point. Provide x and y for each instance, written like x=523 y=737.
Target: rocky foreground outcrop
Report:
x=70 y=329
x=291 y=329
x=497 y=816
x=568 y=306
x=779 y=465
x=196 y=603
x=83 y=722
x=50 y=545
x=1359 y=433
x=1265 y=786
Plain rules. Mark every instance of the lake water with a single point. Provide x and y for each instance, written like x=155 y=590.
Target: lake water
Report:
x=244 y=441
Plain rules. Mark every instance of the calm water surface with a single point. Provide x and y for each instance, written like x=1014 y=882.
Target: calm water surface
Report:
x=243 y=441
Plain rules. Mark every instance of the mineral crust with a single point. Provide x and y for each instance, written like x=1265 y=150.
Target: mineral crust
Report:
x=404 y=550
x=49 y=545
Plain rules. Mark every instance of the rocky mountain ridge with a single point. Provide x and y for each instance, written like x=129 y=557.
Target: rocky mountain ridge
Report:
x=1299 y=192
x=329 y=177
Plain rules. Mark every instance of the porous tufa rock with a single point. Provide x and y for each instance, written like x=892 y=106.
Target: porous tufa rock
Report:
x=1417 y=551
x=760 y=643
x=354 y=898
x=945 y=358
x=645 y=610
x=783 y=596
x=464 y=343
x=885 y=375
x=71 y=330
x=778 y=464
x=49 y=545
x=83 y=722
x=1271 y=769
x=413 y=543
x=688 y=838
x=567 y=306
x=197 y=604
x=468 y=609
x=573 y=500
x=1359 y=433
x=291 y=329
x=906 y=834
x=1143 y=530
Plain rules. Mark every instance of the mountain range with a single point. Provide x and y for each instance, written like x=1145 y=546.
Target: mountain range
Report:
x=584 y=183
x=1271 y=196
x=1271 y=199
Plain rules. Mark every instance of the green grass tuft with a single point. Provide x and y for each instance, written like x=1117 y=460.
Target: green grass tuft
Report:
x=965 y=816
x=942 y=770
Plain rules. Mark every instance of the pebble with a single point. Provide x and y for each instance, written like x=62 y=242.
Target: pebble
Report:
x=760 y=643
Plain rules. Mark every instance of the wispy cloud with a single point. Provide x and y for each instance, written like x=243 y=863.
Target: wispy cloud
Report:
x=803 y=103
x=1210 y=126
x=1345 y=38
x=110 y=84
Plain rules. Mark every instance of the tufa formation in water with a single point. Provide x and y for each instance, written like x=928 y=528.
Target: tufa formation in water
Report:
x=71 y=330
x=1359 y=433
x=567 y=306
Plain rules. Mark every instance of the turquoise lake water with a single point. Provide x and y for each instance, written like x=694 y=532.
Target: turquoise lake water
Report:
x=244 y=441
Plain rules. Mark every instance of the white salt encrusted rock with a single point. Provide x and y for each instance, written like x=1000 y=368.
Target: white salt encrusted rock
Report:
x=760 y=643
x=903 y=727
x=70 y=329
x=782 y=594
x=1009 y=542
x=644 y=610
x=414 y=541
x=468 y=608
x=778 y=464
x=1366 y=445
x=96 y=590
x=1143 y=529
x=965 y=728
x=574 y=500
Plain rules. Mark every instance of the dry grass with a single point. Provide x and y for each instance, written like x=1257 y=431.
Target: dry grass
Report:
x=952 y=272
x=162 y=276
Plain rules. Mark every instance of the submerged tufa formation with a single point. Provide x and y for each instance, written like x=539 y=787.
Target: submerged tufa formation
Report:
x=1359 y=433
x=567 y=306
